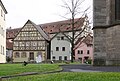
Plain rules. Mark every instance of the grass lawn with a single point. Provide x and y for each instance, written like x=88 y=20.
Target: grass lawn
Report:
x=12 y=69
x=83 y=76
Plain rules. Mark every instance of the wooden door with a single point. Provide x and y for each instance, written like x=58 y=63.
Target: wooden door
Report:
x=31 y=55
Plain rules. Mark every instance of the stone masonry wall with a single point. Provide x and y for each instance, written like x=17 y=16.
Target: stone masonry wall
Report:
x=113 y=45
x=100 y=12
x=99 y=46
x=106 y=33
x=107 y=46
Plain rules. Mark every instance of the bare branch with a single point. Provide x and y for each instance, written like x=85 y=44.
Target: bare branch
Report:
x=66 y=5
x=78 y=26
x=84 y=37
x=80 y=33
x=77 y=4
x=79 y=43
x=63 y=17
x=67 y=36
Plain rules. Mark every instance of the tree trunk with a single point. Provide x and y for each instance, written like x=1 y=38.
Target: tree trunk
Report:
x=72 y=52
x=73 y=35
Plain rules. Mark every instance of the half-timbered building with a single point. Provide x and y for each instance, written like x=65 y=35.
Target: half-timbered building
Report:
x=30 y=42
x=44 y=40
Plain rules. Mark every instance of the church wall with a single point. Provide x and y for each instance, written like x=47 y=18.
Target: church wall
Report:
x=99 y=46
x=113 y=45
x=100 y=13
x=106 y=33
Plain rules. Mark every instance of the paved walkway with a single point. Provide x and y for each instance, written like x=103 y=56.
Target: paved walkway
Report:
x=89 y=68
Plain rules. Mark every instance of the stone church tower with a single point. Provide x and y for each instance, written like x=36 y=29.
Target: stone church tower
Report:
x=106 y=22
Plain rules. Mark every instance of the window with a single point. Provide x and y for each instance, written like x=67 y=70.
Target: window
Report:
x=53 y=57
x=24 y=55
x=22 y=43
x=15 y=43
x=60 y=57
x=63 y=48
x=27 y=43
x=3 y=50
x=1 y=13
x=33 y=43
x=17 y=55
x=81 y=52
x=65 y=57
x=78 y=51
x=62 y=38
x=58 y=37
x=88 y=52
x=57 y=48
x=4 y=16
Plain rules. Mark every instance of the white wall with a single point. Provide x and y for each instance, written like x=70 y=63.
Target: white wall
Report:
x=2 y=37
x=60 y=43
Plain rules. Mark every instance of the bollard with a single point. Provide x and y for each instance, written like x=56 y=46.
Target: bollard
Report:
x=0 y=78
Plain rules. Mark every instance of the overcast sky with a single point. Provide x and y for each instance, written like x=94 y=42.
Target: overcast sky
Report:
x=38 y=11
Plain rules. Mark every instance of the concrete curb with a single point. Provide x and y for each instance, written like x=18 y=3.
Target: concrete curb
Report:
x=29 y=73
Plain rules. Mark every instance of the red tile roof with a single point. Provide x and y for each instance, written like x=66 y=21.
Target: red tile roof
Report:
x=48 y=28
x=62 y=25
x=88 y=40
x=11 y=33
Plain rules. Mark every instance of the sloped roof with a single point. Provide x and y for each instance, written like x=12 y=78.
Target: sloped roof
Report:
x=11 y=33
x=45 y=29
x=3 y=7
x=62 y=25
x=87 y=40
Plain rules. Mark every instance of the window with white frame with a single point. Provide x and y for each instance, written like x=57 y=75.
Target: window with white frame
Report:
x=65 y=57
x=60 y=57
x=1 y=13
x=80 y=51
x=63 y=48
x=58 y=37
x=4 y=16
x=88 y=51
x=62 y=37
x=57 y=48
x=53 y=58
x=3 y=50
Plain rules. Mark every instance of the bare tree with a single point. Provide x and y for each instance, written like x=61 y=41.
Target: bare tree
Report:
x=73 y=9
